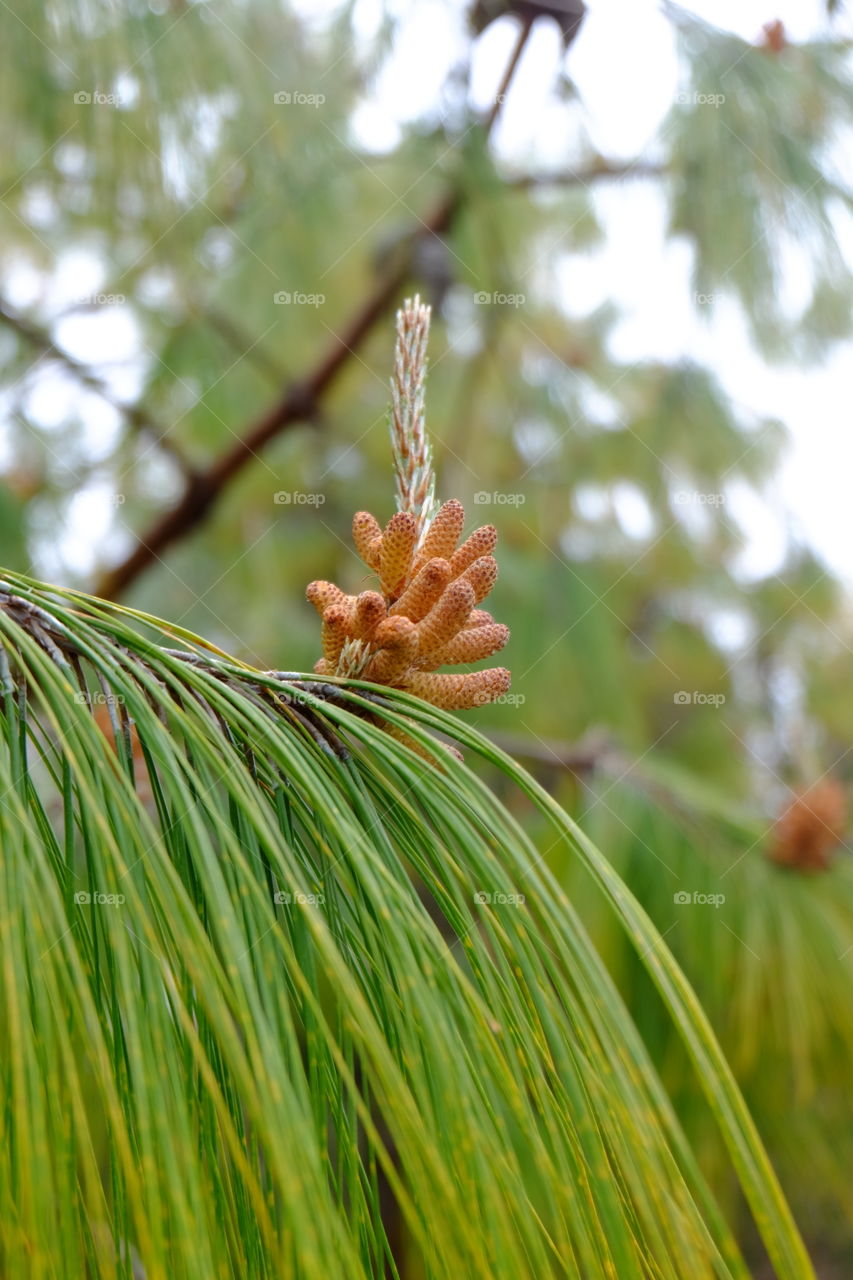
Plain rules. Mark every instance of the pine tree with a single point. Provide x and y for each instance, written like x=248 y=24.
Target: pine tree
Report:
x=189 y=178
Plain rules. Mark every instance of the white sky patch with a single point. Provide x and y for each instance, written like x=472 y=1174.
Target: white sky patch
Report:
x=126 y=89
x=640 y=268
x=89 y=523
x=51 y=398
x=591 y=501
x=373 y=129
x=729 y=629
x=409 y=86
x=600 y=407
x=38 y=208
x=697 y=518
x=78 y=278
x=107 y=338
x=633 y=511
x=625 y=502
x=767 y=543
x=24 y=286
x=625 y=66
x=366 y=17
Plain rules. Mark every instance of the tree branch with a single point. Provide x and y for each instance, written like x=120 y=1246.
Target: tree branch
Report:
x=138 y=417
x=298 y=402
x=509 y=72
x=598 y=170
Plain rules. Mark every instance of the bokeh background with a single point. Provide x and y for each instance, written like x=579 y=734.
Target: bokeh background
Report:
x=634 y=229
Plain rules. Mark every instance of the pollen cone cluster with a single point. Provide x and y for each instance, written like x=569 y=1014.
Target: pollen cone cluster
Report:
x=810 y=829
x=425 y=614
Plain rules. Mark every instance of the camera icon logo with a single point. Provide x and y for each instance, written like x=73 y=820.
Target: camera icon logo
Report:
x=682 y=698
x=483 y=297
x=282 y=98
x=82 y=98
x=82 y=899
x=681 y=898
x=281 y=299
x=482 y=898
x=482 y=499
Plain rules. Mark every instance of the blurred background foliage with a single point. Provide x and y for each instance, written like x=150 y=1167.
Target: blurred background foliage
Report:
x=158 y=199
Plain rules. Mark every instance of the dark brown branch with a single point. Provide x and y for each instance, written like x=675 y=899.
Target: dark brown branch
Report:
x=299 y=402
x=138 y=417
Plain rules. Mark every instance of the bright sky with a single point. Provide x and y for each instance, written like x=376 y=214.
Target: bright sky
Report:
x=624 y=65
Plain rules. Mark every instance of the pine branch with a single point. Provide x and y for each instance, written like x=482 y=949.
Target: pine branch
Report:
x=298 y=402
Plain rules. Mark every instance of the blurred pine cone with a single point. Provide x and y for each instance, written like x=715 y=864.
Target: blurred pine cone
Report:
x=811 y=828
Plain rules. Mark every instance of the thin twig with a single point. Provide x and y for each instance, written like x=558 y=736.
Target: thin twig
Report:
x=597 y=171
x=511 y=68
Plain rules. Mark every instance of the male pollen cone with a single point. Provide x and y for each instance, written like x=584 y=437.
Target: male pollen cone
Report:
x=425 y=613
